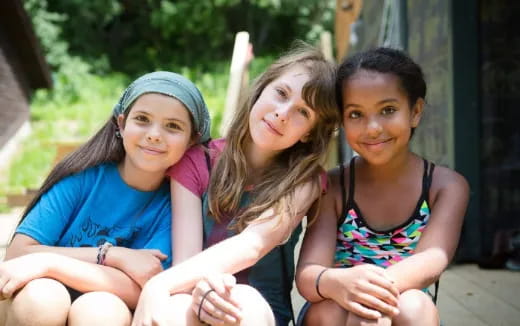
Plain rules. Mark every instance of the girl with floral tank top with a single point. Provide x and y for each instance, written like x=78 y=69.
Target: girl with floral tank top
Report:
x=390 y=221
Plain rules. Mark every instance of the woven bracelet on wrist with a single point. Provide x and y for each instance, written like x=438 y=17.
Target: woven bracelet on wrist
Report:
x=317 y=284
x=102 y=252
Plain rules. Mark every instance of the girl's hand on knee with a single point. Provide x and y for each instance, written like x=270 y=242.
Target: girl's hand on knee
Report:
x=138 y=264
x=212 y=301
x=152 y=306
x=366 y=291
x=17 y=272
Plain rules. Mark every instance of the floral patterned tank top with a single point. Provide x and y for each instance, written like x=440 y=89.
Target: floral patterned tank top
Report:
x=357 y=243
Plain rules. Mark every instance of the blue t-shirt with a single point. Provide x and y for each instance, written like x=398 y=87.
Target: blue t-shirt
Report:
x=96 y=205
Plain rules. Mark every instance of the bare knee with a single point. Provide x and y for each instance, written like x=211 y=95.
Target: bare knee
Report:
x=180 y=312
x=354 y=320
x=255 y=309
x=416 y=308
x=326 y=312
x=41 y=302
x=99 y=308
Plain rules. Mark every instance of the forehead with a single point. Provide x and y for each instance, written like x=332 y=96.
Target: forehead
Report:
x=297 y=75
x=157 y=103
x=366 y=84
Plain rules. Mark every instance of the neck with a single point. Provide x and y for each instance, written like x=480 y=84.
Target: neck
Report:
x=258 y=158
x=391 y=170
x=139 y=179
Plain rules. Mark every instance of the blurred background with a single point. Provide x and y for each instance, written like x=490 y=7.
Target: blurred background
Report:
x=80 y=55
x=64 y=63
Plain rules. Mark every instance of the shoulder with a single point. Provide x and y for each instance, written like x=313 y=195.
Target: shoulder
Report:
x=339 y=176
x=447 y=182
x=89 y=175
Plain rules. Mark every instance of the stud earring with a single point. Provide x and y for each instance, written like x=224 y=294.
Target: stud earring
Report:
x=118 y=134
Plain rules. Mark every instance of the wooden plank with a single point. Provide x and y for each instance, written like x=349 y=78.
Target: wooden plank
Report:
x=479 y=302
x=453 y=313
x=503 y=284
x=347 y=11
x=242 y=53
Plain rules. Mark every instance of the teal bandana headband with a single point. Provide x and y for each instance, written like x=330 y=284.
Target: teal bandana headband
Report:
x=174 y=85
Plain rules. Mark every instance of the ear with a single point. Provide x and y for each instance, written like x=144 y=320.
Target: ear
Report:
x=121 y=121
x=195 y=139
x=417 y=112
x=305 y=137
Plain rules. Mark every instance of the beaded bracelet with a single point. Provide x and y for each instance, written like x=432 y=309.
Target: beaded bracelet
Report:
x=317 y=284
x=102 y=252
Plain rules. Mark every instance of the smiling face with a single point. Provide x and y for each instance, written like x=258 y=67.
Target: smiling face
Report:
x=280 y=117
x=156 y=133
x=377 y=116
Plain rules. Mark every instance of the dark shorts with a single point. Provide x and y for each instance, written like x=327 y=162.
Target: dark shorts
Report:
x=74 y=294
x=281 y=320
x=301 y=315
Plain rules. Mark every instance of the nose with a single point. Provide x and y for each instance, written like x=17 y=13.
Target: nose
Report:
x=374 y=128
x=153 y=135
x=282 y=113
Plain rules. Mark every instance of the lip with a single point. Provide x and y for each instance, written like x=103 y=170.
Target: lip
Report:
x=375 y=145
x=151 y=150
x=272 y=128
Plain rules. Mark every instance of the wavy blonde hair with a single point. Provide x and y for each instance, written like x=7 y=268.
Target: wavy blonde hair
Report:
x=293 y=166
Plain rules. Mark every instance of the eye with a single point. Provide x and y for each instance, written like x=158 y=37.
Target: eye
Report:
x=281 y=92
x=304 y=112
x=174 y=126
x=387 y=110
x=354 y=114
x=141 y=118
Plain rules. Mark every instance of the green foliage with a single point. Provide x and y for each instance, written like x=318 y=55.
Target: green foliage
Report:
x=138 y=36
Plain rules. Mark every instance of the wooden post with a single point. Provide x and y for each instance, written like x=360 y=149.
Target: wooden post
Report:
x=347 y=11
x=239 y=62
x=326 y=45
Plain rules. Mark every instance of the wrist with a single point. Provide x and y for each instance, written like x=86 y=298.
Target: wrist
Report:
x=322 y=283
x=112 y=256
x=51 y=263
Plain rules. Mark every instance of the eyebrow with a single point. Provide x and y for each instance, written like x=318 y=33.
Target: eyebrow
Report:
x=386 y=100
x=286 y=86
x=168 y=119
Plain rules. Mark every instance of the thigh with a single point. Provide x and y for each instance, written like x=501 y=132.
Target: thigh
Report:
x=99 y=308
x=40 y=302
x=3 y=311
x=326 y=312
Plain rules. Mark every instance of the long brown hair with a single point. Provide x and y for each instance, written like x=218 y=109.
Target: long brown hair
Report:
x=103 y=147
x=295 y=165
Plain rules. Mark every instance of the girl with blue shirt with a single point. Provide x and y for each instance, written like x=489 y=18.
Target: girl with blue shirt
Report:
x=100 y=226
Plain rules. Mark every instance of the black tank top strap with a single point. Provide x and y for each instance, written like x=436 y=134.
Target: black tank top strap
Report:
x=343 y=192
x=427 y=179
x=346 y=203
x=351 y=182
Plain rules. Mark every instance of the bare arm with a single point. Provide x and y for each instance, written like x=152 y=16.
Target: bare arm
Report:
x=186 y=223
x=23 y=245
x=317 y=251
x=240 y=251
x=363 y=290
x=77 y=274
x=138 y=264
x=440 y=238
